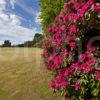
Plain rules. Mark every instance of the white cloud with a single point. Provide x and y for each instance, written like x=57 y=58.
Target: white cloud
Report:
x=10 y=26
x=1 y=42
x=38 y=19
x=2 y=5
x=12 y=2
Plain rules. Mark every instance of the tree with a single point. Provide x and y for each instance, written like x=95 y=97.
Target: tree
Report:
x=28 y=44
x=49 y=10
x=7 y=43
x=20 y=45
x=38 y=38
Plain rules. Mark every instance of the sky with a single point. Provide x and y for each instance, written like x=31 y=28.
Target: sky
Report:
x=19 y=20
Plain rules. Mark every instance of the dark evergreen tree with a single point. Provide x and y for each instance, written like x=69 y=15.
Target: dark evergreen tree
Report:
x=7 y=43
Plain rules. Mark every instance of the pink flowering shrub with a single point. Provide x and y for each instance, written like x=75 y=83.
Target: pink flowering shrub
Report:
x=70 y=53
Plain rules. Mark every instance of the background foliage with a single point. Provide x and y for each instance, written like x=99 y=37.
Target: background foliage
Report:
x=36 y=42
x=49 y=10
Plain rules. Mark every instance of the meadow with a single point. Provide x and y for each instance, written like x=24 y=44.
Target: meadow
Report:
x=22 y=75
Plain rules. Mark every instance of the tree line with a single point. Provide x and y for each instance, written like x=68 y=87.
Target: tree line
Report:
x=36 y=42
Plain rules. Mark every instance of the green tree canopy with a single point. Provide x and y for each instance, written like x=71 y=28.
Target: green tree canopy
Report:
x=38 y=38
x=49 y=10
x=7 y=43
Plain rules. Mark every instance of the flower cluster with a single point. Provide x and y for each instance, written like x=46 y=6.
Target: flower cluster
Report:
x=67 y=53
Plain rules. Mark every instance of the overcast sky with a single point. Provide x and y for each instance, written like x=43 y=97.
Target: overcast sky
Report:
x=19 y=20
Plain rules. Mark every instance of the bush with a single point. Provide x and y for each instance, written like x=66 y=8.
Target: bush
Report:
x=72 y=50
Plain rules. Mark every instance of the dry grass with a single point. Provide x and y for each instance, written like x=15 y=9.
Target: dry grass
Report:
x=22 y=76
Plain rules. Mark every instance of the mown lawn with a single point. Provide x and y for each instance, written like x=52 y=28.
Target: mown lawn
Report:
x=22 y=75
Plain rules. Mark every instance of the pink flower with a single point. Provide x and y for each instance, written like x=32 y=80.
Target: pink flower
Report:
x=63 y=27
x=93 y=48
x=73 y=65
x=76 y=17
x=59 y=42
x=64 y=84
x=70 y=17
x=56 y=29
x=87 y=54
x=57 y=87
x=97 y=75
x=73 y=29
x=68 y=4
x=98 y=67
x=59 y=79
x=60 y=71
x=46 y=43
x=79 y=69
x=76 y=85
x=71 y=53
x=64 y=50
x=56 y=19
x=52 y=84
x=86 y=68
x=85 y=8
x=65 y=4
x=67 y=72
x=66 y=18
x=53 y=66
x=92 y=1
x=82 y=57
x=72 y=44
x=68 y=37
x=77 y=6
x=93 y=61
x=97 y=8
x=49 y=30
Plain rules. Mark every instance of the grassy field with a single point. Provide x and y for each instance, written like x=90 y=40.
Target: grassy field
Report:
x=22 y=76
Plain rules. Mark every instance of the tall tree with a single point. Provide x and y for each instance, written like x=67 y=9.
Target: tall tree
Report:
x=49 y=10
x=38 y=38
x=28 y=44
x=7 y=43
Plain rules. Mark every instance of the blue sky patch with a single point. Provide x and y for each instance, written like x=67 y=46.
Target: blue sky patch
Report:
x=19 y=20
